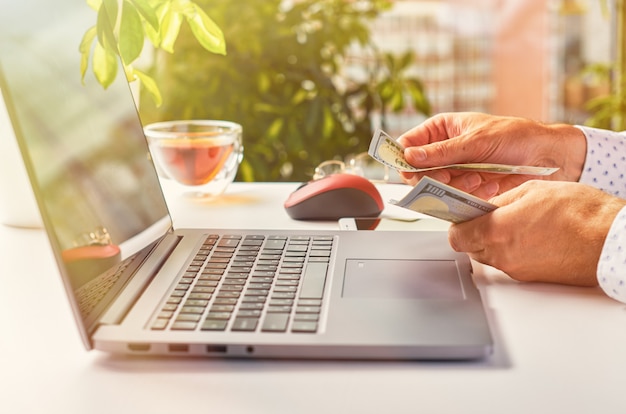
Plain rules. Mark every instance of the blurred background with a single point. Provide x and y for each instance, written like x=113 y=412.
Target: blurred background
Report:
x=309 y=80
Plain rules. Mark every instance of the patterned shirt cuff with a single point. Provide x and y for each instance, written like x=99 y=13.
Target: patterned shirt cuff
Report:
x=612 y=265
x=606 y=160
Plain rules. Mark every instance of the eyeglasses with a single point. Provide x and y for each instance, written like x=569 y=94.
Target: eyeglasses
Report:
x=361 y=164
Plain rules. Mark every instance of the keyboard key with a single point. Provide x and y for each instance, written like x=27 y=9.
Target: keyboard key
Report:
x=184 y=326
x=251 y=306
x=304 y=326
x=225 y=301
x=249 y=313
x=188 y=317
x=245 y=324
x=283 y=295
x=286 y=282
x=253 y=299
x=160 y=324
x=281 y=302
x=279 y=309
x=203 y=289
x=192 y=309
x=228 y=242
x=275 y=322
x=226 y=294
x=219 y=315
x=314 y=280
x=288 y=277
x=308 y=309
x=309 y=302
x=222 y=308
x=297 y=248
x=194 y=295
x=306 y=317
x=214 y=325
x=222 y=254
x=165 y=314
x=196 y=302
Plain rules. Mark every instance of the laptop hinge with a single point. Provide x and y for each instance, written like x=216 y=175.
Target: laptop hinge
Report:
x=140 y=280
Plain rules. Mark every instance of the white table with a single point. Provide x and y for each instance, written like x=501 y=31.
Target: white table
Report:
x=558 y=349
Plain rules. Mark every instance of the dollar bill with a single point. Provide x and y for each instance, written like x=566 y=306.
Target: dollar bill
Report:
x=439 y=200
x=389 y=152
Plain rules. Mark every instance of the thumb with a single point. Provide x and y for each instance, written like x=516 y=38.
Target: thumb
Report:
x=451 y=151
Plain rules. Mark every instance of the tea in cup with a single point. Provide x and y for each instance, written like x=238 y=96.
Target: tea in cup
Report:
x=203 y=155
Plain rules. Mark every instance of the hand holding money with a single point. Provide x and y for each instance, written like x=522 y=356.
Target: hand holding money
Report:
x=430 y=196
x=389 y=152
x=438 y=200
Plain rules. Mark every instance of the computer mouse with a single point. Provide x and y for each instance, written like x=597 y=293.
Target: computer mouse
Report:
x=333 y=197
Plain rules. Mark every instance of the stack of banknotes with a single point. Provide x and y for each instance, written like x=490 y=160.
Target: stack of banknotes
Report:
x=434 y=198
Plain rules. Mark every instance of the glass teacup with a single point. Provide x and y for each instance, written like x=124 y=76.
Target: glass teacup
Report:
x=202 y=155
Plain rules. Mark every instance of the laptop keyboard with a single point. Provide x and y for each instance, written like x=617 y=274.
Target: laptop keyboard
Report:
x=251 y=283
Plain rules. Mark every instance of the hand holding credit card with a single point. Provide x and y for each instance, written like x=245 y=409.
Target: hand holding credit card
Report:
x=389 y=152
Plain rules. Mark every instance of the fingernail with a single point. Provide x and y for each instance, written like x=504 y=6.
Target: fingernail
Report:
x=420 y=154
x=472 y=182
x=440 y=176
x=416 y=154
x=491 y=189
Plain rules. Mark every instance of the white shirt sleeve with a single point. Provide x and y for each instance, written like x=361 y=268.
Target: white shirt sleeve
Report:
x=605 y=168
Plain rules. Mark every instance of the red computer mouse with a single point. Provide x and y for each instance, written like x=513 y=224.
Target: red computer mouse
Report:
x=334 y=197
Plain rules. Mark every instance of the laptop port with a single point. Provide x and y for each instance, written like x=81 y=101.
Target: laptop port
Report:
x=178 y=348
x=216 y=349
x=139 y=347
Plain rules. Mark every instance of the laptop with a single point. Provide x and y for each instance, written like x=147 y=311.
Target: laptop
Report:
x=139 y=286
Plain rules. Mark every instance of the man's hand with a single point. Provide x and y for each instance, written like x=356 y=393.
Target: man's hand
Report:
x=542 y=231
x=455 y=138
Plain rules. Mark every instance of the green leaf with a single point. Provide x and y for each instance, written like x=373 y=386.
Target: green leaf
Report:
x=154 y=33
x=246 y=171
x=208 y=34
x=406 y=60
x=147 y=12
x=264 y=82
x=131 y=33
x=150 y=85
x=107 y=16
x=299 y=96
x=85 y=51
x=328 y=124
x=170 y=27
x=418 y=96
x=104 y=65
x=275 y=128
x=94 y=4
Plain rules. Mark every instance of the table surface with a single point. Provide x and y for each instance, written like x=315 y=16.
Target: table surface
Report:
x=558 y=349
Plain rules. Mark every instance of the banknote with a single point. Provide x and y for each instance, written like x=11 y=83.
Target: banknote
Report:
x=389 y=152
x=439 y=200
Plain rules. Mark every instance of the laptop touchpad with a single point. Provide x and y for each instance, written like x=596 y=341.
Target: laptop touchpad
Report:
x=402 y=279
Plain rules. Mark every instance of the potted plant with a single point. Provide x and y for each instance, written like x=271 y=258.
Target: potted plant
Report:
x=283 y=79
x=134 y=21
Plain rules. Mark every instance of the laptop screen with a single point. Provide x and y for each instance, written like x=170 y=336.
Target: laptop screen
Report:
x=83 y=145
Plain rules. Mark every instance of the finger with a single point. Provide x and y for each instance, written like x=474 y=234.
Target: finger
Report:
x=487 y=190
x=431 y=130
x=512 y=195
x=468 y=182
x=466 y=237
x=442 y=176
x=452 y=151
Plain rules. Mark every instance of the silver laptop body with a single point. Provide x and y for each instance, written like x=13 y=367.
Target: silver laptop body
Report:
x=138 y=286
